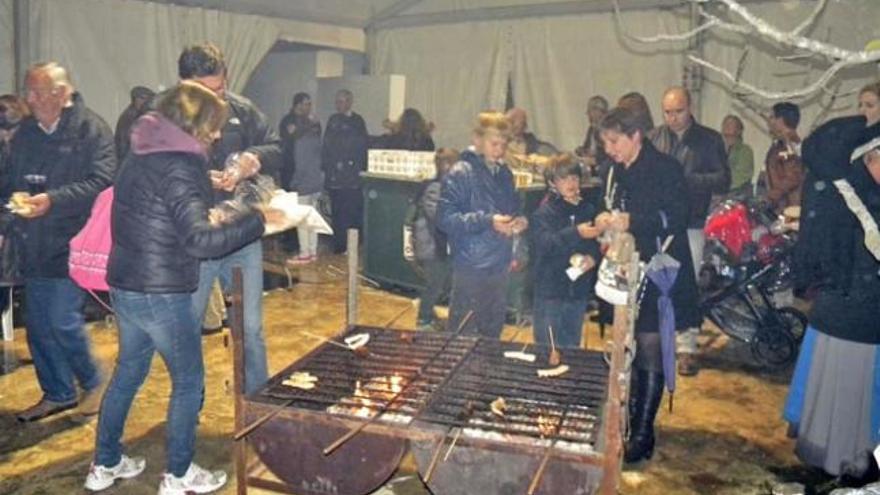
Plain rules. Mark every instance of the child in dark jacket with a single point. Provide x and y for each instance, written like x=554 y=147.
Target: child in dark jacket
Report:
x=430 y=243
x=565 y=255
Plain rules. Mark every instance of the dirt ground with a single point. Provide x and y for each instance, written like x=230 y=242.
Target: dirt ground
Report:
x=725 y=435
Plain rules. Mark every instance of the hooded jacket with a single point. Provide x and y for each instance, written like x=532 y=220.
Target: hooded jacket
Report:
x=553 y=229
x=470 y=196
x=847 y=304
x=79 y=161
x=160 y=213
x=826 y=157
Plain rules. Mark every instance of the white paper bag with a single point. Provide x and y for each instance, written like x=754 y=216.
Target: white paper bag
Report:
x=296 y=215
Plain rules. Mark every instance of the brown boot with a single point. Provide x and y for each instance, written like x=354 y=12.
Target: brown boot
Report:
x=687 y=365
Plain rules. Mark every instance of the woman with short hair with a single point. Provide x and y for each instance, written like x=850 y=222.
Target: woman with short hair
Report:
x=647 y=189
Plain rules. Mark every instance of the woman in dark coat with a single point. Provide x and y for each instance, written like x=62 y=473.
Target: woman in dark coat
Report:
x=834 y=401
x=648 y=189
x=160 y=231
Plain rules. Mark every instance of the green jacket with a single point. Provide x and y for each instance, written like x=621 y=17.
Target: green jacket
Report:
x=742 y=164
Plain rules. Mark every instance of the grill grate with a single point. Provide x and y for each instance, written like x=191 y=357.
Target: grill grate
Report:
x=398 y=376
x=451 y=381
x=566 y=408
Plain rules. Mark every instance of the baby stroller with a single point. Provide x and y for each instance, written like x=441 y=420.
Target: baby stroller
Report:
x=746 y=264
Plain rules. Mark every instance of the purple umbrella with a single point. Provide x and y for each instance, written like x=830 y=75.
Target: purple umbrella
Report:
x=662 y=270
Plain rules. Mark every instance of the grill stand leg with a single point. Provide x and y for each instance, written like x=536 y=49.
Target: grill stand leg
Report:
x=237 y=330
x=351 y=306
x=618 y=383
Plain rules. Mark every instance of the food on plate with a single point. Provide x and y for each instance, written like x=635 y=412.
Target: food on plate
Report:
x=551 y=372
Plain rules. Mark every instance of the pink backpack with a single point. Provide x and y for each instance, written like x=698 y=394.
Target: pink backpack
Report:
x=90 y=248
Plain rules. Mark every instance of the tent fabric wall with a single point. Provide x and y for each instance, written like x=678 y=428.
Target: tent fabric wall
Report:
x=112 y=45
x=7 y=48
x=452 y=72
x=554 y=64
x=560 y=62
x=557 y=63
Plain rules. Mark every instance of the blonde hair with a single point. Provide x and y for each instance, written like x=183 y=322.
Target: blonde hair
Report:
x=494 y=123
x=194 y=108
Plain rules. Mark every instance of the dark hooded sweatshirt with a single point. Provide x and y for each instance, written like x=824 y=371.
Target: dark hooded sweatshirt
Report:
x=160 y=213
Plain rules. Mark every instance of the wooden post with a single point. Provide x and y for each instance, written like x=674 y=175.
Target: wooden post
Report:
x=236 y=328
x=618 y=382
x=351 y=307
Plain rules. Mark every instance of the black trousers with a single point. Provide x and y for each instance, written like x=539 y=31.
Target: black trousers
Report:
x=483 y=294
x=347 y=206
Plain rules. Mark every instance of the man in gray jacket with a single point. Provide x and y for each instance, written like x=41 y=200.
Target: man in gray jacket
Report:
x=701 y=153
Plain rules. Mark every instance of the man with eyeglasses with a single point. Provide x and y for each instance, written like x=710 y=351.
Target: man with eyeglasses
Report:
x=62 y=157
x=247 y=133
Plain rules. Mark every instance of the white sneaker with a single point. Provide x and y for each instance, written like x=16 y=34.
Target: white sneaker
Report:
x=196 y=480
x=101 y=477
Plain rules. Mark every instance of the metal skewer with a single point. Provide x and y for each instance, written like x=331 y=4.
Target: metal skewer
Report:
x=354 y=431
x=325 y=340
x=396 y=317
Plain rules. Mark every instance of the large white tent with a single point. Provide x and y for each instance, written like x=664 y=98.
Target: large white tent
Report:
x=457 y=57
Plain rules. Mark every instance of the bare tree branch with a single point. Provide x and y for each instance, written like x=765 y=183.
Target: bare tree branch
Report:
x=810 y=20
x=660 y=37
x=804 y=47
x=765 y=29
x=817 y=85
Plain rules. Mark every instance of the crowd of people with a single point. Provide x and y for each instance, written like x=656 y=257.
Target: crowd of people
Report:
x=170 y=165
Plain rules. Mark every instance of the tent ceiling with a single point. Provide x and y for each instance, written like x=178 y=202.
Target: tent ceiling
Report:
x=400 y=13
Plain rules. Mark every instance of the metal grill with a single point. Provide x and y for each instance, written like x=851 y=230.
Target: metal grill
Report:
x=451 y=381
x=567 y=408
x=395 y=378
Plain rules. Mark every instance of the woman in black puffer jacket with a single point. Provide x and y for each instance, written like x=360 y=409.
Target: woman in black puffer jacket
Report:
x=160 y=231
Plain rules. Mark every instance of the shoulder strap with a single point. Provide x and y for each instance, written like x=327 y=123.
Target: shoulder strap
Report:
x=855 y=205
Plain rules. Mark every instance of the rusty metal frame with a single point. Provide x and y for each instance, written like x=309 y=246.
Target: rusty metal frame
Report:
x=609 y=453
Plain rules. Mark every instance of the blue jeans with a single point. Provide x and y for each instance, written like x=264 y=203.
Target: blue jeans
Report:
x=250 y=259
x=566 y=316
x=149 y=323
x=57 y=338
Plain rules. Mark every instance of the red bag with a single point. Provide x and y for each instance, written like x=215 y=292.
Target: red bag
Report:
x=90 y=248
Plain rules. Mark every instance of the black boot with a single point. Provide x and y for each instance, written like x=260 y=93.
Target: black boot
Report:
x=647 y=393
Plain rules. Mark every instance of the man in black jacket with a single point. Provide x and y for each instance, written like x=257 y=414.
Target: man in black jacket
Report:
x=701 y=153
x=247 y=133
x=63 y=156
x=343 y=158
